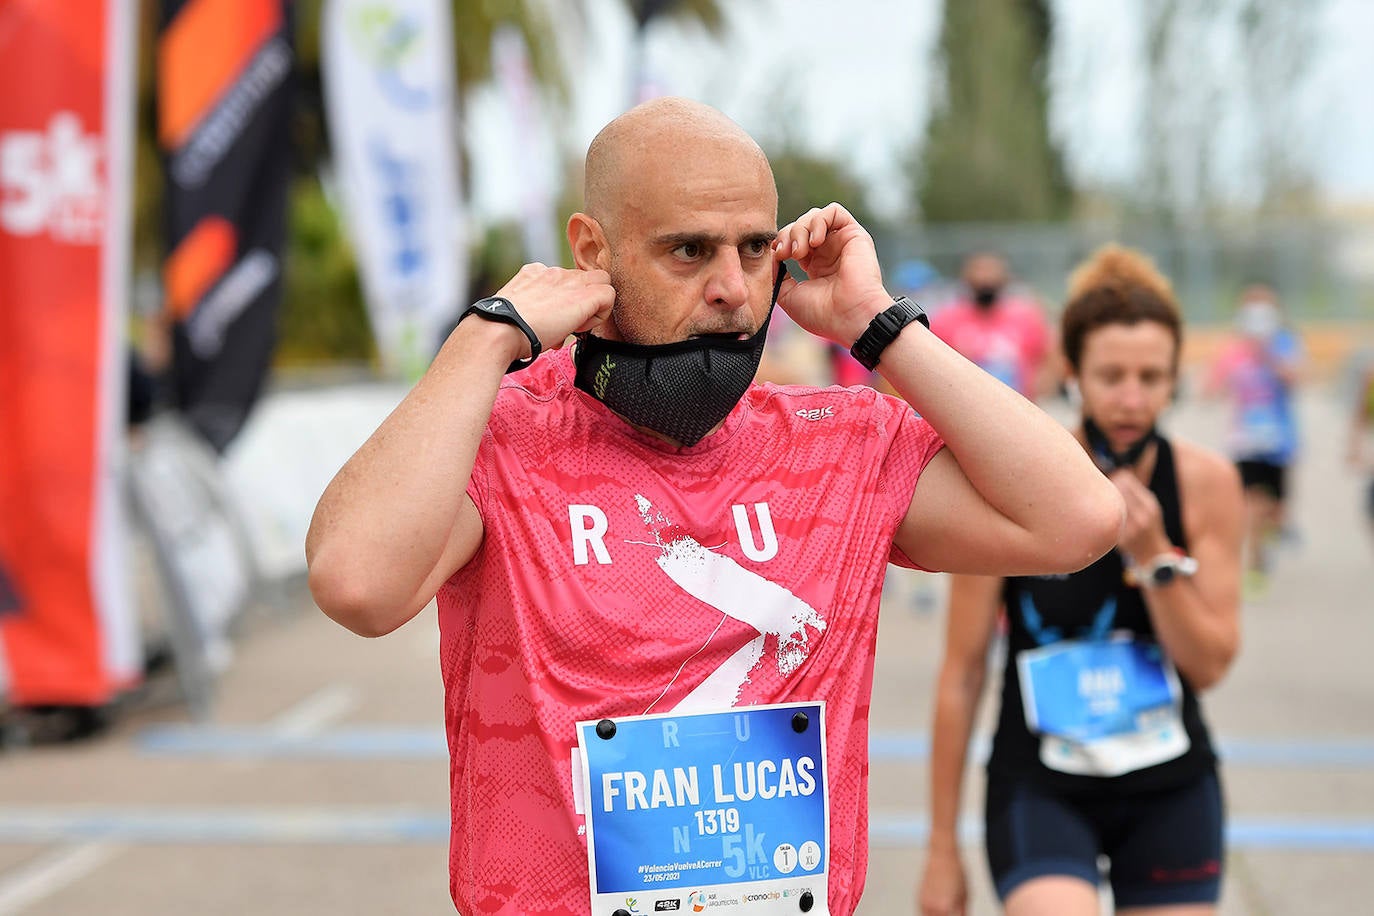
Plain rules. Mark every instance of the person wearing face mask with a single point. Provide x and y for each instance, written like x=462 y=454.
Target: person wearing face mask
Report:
x=1101 y=748
x=1257 y=370
x=1004 y=333
x=657 y=581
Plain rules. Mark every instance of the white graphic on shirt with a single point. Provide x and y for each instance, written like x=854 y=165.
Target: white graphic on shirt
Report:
x=758 y=553
x=737 y=592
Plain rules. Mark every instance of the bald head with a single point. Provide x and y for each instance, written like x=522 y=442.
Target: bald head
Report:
x=655 y=140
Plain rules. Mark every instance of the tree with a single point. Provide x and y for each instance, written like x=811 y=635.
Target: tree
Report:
x=806 y=180
x=1222 y=123
x=705 y=13
x=988 y=154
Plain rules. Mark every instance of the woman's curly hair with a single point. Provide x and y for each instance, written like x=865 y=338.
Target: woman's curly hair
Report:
x=1117 y=285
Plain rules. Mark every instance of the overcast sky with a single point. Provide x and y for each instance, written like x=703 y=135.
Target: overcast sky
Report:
x=849 y=79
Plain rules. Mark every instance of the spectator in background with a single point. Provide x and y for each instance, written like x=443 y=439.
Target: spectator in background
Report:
x=1257 y=369
x=1006 y=334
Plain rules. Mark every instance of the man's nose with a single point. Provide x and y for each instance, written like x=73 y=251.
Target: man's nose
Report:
x=727 y=286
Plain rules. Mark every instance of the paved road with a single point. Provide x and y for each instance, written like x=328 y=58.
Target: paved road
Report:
x=320 y=784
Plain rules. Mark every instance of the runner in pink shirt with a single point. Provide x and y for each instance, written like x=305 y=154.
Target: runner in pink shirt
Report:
x=1007 y=335
x=658 y=581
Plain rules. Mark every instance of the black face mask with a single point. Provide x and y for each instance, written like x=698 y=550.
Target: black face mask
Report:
x=681 y=390
x=986 y=296
x=1109 y=460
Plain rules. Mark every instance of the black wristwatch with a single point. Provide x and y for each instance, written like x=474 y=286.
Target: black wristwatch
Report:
x=495 y=308
x=884 y=328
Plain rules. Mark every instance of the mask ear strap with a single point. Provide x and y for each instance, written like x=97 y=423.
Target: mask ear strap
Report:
x=777 y=284
x=1109 y=460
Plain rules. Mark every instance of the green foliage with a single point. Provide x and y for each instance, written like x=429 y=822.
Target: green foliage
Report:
x=806 y=180
x=497 y=256
x=988 y=155
x=708 y=14
x=322 y=315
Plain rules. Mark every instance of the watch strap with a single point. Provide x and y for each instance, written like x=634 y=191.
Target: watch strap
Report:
x=499 y=308
x=1153 y=574
x=884 y=328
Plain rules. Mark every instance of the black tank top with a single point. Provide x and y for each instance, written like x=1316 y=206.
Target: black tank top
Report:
x=1067 y=607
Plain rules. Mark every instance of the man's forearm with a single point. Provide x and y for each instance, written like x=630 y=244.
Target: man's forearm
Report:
x=387 y=517
x=1019 y=459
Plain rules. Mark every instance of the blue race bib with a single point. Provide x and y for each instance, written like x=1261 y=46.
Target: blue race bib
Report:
x=721 y=811
x=1102 y=708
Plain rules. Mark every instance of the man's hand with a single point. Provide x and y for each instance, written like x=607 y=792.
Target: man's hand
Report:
x=845 y=286
x=557 y=303
x=1143 y=535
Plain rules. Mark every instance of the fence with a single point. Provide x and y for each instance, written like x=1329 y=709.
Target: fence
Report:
x=1322 y=270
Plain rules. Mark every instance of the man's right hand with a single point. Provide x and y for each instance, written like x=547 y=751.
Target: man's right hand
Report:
x=943 y=890
x=557 y=303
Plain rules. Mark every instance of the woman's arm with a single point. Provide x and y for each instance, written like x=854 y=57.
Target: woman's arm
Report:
x=973 y=605
x=1197 y=618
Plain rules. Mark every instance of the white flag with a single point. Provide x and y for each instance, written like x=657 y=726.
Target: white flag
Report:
x=387 y=68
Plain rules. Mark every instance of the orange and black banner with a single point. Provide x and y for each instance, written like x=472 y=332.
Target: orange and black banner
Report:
x=224 y=98
x=68 y=635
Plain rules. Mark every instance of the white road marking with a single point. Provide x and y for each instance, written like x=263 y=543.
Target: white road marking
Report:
x=316 y=712
x=51 y=872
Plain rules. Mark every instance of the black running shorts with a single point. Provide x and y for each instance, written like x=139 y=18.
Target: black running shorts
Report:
x=1163 y=847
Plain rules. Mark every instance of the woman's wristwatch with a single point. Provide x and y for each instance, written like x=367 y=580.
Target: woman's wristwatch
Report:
x=1163 y=569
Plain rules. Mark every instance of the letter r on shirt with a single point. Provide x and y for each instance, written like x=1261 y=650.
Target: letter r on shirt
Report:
x=588 y=525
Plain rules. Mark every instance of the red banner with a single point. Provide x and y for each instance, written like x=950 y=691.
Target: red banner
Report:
x=67 y=635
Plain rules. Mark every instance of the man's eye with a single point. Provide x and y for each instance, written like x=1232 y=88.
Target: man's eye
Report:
x=688 y=251
x=758 y=247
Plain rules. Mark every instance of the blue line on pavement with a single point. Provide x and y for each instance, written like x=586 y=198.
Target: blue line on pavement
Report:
x=341 y=826
x=418 y=743
x=352 y=743
x=1293 y=834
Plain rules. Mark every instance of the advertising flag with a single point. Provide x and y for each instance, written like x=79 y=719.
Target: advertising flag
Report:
x=387 y=68
x=67 y=632
x=224 y=97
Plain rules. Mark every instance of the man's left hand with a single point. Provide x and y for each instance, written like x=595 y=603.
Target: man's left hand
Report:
x=844 y=289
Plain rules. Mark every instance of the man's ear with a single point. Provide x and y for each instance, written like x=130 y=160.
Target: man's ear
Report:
x=587 y=241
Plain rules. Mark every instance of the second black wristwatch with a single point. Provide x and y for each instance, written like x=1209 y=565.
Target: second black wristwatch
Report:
x=884 y=328
x=495 y=308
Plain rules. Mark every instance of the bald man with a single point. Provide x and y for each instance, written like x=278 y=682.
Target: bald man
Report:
x=658 y=582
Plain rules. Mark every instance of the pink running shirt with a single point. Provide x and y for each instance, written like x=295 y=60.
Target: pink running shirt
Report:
x=581 y=604
x=1009 y=340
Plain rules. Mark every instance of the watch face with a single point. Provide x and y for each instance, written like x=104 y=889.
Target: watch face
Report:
x=1163 y=576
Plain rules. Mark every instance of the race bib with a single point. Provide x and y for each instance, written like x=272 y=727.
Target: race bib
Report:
x=1261 y=430
x=709 y=812
x=1102 y=708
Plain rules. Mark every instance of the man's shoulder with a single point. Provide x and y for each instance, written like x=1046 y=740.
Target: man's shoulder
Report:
x=795 y=401
x=831 y=411
x=549 y=377
x=1024 y=308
